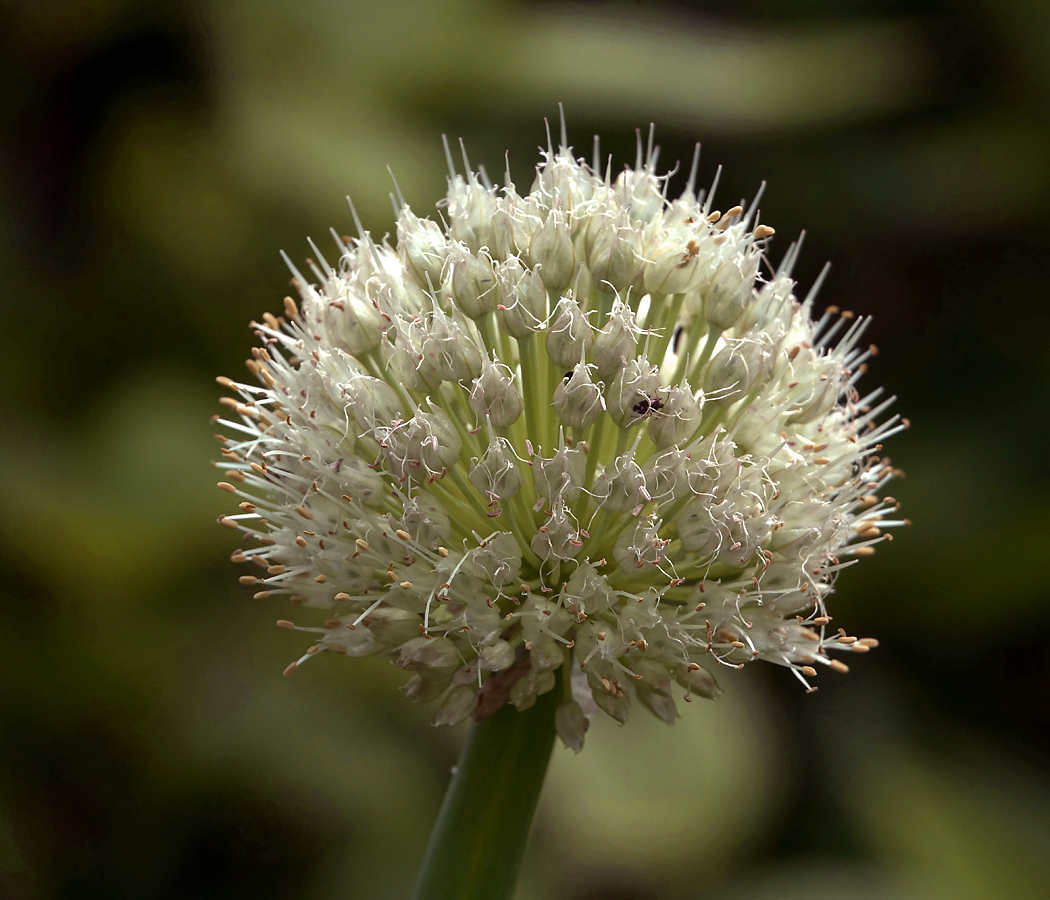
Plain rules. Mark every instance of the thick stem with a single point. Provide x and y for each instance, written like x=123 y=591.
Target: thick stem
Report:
x=477 y=844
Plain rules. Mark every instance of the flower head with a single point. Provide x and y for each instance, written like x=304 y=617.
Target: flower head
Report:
x=580 y=429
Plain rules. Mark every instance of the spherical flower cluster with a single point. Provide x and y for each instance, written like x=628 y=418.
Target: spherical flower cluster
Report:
x=577 y=430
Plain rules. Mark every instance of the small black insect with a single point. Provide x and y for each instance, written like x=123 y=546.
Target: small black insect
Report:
x=645 y=406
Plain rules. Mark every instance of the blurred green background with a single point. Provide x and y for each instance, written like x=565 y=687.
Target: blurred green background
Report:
x=155 y=157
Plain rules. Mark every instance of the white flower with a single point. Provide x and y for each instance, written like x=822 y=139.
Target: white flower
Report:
x=578 y=429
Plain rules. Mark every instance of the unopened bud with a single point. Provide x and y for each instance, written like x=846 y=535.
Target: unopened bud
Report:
x=524 y=307
x=666 y=477
x=654 y=690
x=629 y=398
x=587 y=592
x=616 y=342
x=560 y=475
x=422 y=247
x=639 y=547
x=496 y=475
x=373 y=402
x=499 y=561
x=353 y=322
x=527 y=688
x=496 y=656
x=677 y=420
x=391 y=626
x=359 y=481
x=559 y=537
x=569 y=337
x=729 y=292
x=493 y=394
x=474 y=285
x=422 y=690
x=425 y=653
x=577 y=399
x=470 y=211
x=735 y=369
x=621 y=486
x=697 y=680
x=698 y=530
x=551 y=251
x=459 y=704
x=571 y=725
x=426 y=520
x=615 y=253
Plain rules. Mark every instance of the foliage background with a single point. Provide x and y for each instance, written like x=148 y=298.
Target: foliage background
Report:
x=155 y=156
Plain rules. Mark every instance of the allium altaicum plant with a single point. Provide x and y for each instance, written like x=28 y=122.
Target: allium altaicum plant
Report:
x=563 y=452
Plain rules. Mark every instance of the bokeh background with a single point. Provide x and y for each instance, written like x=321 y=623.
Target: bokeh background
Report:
x=155 y=157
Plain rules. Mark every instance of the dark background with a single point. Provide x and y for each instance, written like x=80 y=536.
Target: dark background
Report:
x=154 y=159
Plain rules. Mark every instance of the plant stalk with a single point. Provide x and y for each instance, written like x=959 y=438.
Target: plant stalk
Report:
x=478 y=842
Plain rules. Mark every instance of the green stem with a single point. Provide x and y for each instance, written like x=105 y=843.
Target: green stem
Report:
x=476 y=848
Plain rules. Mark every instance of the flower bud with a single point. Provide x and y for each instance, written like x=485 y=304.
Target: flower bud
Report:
x=616 y=342
x=569 y=337
x=420 y=689
x=639 y=546
x=474 y=285
x=352 y=321
x=615 y=253
x=698 y=530
x=496 y=475
x=621 y=486
x=583 y=288
x=524 y=307
x=438 y=655
x=641 y=192
x=666 y=475
x=735 y=370
x=587 y=592
x=559 y=536
x=540 y=617
x=730 y=290
x=422 y=446
x=391 y=626
x=373 y=402
x=545 y=652
x=697 y=680
x=359 y=481
x=460 y=703
x=470 y=210
x=577 y=399
x=559 y=476
x=629 y=398
x=422 y=247
x=459 y=358
x=679 y=263
x=551 y=251
x=654 y=690
x=571 y=725
x=561 y=182
x=513 y=224
x=527 y=688
x=677 y=420
x=402 y=362
x=496 y=656
x=498 y=560
x=493 y=394
x=426 y=520
x=609 y=691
